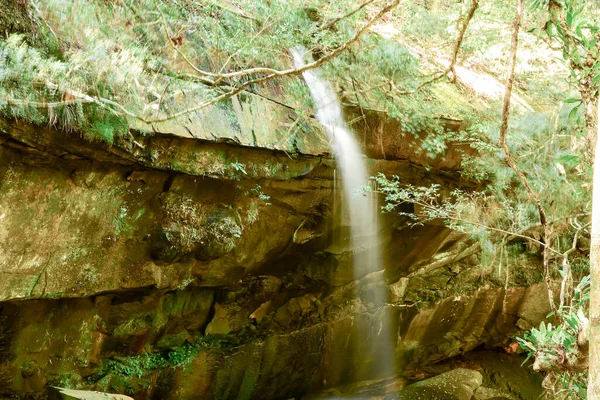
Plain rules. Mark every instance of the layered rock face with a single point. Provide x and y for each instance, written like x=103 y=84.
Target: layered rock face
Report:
x=198 y=263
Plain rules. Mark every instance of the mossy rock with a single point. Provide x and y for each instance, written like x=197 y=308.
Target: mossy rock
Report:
x=190 y=228
x=458 y=384
x=15 y=17
x=222 y=232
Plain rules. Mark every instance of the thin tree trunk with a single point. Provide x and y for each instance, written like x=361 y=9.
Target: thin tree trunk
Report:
x=510 y=159
x=594 y=334
x=462 y=24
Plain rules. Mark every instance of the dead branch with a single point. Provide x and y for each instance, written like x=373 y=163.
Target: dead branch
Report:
x=272 y=73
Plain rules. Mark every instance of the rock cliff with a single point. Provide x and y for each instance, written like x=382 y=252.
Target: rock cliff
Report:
x=196 y=261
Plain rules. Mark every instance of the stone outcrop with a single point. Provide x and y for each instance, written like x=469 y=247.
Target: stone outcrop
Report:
x=458 y=384
x=478 y=375
x=70 y=394
x=185 y=265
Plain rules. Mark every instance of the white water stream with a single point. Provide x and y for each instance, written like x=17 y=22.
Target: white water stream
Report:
x=362 y=211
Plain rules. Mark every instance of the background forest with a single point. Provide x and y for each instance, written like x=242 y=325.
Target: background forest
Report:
x=518 y=81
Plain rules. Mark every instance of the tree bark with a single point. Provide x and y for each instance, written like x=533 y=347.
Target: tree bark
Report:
x=594 y=334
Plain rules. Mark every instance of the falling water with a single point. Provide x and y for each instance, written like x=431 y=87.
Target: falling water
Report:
x=362 y=212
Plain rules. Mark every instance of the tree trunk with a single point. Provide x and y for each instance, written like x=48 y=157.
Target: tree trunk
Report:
x=594 y=336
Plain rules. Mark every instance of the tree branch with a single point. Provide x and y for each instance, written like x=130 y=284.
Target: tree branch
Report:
x=462 y=25
x=483 y=226
x=351 y=13
x=461 y=33
x=509 y=158
x=117 y=108
x=272 y=73
x=567 y=277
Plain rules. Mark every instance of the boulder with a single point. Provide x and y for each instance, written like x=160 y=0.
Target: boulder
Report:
x=458 y=384
x=70 y=394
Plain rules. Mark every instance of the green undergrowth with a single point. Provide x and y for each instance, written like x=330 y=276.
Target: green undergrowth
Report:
x=129 y=57
x=140 y=366
x=143 y=364
x=38 y=88
x=561 y=349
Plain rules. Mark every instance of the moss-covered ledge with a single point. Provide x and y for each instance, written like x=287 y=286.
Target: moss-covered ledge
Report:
x=165 y=152
x=249 y=120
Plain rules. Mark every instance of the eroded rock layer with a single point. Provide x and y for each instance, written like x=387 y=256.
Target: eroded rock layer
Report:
x=165 y=266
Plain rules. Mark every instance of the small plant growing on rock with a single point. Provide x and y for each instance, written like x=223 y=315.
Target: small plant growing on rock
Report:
x=188 y=229
x=562 y=350
x=252 y=214
x=257 y=191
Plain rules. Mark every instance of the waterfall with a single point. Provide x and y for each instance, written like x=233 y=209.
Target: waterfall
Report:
x=363 y=216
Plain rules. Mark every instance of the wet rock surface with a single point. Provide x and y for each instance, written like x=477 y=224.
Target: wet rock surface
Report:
x=458 y=384
x=198 y=269
x=479 y=375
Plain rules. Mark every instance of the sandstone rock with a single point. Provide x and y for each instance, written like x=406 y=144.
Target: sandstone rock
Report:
x=70 y=394
x=262 y=311
x=484 y=393
x=535 y=308
x=169 y=341
x=458 y=384
x=148 y=249
x=220 y=323
x=505 y=373
x=398 y=289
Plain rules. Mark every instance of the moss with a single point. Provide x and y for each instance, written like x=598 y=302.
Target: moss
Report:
x=134 y=326
x=182 y=301
x=172 y=341
x=67 y=381
x=130 y=369
x=54 y=295
x=15 y=17
x=228 y=113
x=122 y=223
x=144 y=364
x=106 y=127
x=186 y=228
x=248 y=383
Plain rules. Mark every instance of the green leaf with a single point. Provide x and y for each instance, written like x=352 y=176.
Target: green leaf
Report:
x=569 y=18
x=560 y=33
x=570 y=160
x=534 y=340
x=581 y=316
x=573 y=113
x=526 y=359
x=572 y=100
